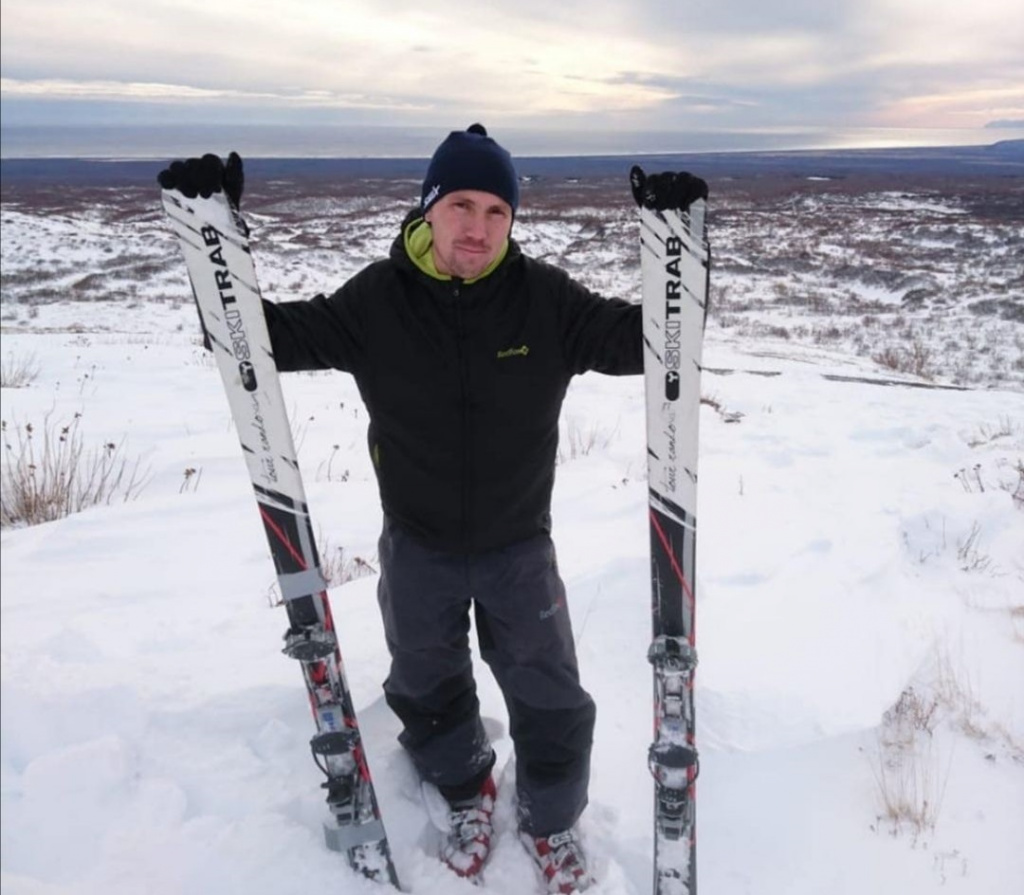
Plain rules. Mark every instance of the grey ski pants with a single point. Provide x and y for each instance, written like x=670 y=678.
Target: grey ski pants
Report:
x=525 y=637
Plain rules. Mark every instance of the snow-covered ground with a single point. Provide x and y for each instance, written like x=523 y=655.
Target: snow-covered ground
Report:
x=860 y=612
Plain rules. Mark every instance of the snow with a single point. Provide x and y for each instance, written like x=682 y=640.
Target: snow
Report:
x=860 y=624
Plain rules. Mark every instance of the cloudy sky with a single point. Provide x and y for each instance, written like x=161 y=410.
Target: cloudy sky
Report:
x=566 y=65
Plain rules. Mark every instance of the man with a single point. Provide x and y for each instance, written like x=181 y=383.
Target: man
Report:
x=462 y=349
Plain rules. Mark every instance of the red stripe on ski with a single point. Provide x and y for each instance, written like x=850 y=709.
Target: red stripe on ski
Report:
x=666 y=544
x=283 y=538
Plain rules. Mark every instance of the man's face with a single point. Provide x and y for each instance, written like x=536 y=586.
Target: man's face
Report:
x=470 y=227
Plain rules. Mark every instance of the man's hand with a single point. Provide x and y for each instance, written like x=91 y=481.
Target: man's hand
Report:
x=206 y=176
x=670 y=190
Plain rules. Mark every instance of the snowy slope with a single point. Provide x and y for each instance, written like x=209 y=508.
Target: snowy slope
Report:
x=860 y=630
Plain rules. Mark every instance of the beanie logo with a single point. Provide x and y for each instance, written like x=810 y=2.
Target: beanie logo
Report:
x=432 y=195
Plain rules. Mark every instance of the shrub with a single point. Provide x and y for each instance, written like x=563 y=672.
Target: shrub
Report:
x=917 y=359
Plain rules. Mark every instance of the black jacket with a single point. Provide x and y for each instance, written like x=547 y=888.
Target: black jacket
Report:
x=463 y=383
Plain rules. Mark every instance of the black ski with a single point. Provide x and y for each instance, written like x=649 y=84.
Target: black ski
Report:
x=214 y=240
x=675 y=265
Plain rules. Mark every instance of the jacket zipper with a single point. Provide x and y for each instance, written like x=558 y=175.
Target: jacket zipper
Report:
x=460 y=336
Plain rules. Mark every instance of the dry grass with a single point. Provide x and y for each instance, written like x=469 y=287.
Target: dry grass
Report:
x=986 y=433
x=18 y=371
x=339 y=568
x=968 y=555
x=48 y=474
x=327 y=471
x=579 y=442
x=914 y=358
x=910 y=772
x=1016 y=489
x=910 y=782
x=191 y=479
x=1017 y=620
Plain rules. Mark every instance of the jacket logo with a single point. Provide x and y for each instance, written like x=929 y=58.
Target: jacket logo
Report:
x=521 y=351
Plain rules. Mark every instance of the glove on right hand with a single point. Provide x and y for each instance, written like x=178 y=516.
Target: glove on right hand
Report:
x=206 y=176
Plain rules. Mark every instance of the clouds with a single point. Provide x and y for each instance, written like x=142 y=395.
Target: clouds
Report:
x=647 y=63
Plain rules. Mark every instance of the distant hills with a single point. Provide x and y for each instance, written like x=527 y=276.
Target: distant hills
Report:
x=1003 y=158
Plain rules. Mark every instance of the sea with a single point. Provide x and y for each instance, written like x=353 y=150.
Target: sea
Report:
x=157 y=141
x=123 y=154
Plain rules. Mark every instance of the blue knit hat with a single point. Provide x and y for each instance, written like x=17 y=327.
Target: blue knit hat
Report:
x=470 y=160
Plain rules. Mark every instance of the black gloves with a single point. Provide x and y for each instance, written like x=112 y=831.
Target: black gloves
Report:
x=205 y=176
x=664 y=191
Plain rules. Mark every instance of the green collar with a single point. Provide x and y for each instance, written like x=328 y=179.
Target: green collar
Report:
x=419 y=242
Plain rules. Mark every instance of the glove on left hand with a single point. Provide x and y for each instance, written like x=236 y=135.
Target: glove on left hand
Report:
x=206 y=176
x=675 y=190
